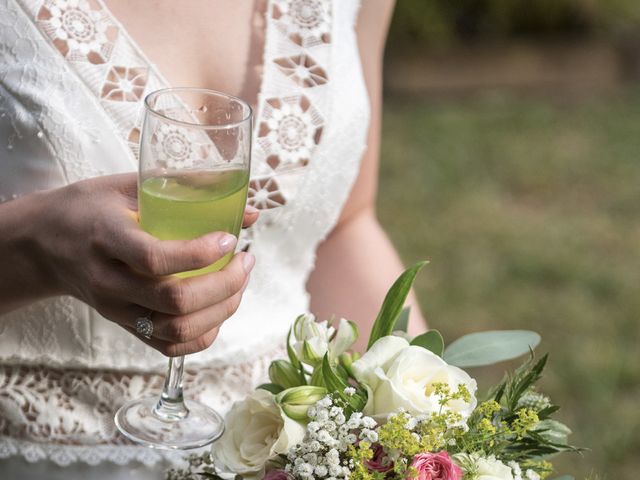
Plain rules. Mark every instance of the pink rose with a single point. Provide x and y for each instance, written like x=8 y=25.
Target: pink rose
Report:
x=380 y=462
x=277 y=475
x=435 y=466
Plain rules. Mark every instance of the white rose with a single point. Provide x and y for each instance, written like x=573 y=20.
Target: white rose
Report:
x=256 y=430
x=484 y=468
x=493 y=469
x=401 y=376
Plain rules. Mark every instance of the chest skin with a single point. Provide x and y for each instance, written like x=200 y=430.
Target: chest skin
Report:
x=216 y=44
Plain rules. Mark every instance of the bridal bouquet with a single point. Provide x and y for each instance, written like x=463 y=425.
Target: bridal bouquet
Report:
x=404 y=409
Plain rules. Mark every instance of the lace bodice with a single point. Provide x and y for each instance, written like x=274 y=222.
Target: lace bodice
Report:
x=71 y=85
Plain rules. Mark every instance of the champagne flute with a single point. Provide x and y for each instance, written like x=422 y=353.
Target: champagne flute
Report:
x=193 y=179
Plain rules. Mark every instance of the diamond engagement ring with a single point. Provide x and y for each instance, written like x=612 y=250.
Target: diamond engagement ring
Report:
x=144 y=325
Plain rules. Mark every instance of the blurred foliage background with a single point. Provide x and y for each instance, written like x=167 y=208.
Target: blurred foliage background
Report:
x=525 y=196
x=441 y=23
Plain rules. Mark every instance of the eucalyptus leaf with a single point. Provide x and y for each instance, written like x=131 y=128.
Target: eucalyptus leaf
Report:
x=402 y=324
x=486 y=348
x=393 y=304
x=431 y=340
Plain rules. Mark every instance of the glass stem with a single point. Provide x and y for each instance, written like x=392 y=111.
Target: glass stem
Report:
x=171 y=405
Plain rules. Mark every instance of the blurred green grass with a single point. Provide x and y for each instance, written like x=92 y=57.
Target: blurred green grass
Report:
x=529 y=210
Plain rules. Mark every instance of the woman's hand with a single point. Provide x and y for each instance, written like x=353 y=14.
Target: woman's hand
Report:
x=84 y=240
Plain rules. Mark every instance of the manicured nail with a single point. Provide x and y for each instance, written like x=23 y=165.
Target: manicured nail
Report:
x=227 y=242
x=251 y=210
x=248 y=262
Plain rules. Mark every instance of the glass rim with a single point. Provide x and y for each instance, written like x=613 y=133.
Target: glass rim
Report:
x=208 y=91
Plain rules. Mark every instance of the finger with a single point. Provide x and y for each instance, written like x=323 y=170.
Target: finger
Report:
x=181 y=296
x=146 y=254
x=176 y=329
x=177 y=349
x=185 y=328
x=251 y=215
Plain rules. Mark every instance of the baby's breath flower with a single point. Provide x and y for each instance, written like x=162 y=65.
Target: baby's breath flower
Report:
x=349 y=391
x=321 y=471
x=411 y=424
x=368 y=422
x=531 y=475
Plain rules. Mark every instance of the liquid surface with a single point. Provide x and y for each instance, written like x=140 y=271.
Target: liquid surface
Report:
x=186 y=206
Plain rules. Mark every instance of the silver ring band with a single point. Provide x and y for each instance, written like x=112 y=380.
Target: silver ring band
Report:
x=144 y=325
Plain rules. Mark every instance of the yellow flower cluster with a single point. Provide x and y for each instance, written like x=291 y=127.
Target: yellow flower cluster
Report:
x=542 y=467
x=527 y=420
x=358 y=455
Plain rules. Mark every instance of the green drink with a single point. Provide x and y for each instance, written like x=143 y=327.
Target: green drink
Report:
x=190 y=204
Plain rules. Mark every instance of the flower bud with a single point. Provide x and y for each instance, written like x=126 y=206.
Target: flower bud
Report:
x=284 y=374
x=345 y=337
x=311 y=339
x=296 y=401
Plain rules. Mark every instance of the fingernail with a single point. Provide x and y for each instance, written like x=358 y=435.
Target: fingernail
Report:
x=227 y=242
x=248 y=261
x=250 y=209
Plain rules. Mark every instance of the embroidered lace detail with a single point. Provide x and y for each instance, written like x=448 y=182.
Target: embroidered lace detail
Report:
x=175 y=147
x=124 y=84
x=264 y=193
x=292 y=107
x=80 y=30
x=303 y=70
x=290 y=130
x=305 y=22
x=47 y=408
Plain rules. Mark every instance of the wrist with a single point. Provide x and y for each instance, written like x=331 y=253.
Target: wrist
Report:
x=26 y=275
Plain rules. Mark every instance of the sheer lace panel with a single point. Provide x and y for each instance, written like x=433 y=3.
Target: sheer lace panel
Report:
x=74 y=408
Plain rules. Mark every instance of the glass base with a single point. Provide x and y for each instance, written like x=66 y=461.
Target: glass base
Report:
x=194 y=427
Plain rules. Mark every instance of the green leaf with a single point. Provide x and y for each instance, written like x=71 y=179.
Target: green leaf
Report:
x=565 y=477
x=486 y=348
x=332 y=381
x=317 y=377
x=336 y=386
x=393 y=303
x=431 y=340
x=270 y=387
x=293 y=358
x=402 y=324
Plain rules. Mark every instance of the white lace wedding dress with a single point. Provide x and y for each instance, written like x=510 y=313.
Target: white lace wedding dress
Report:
x=71 y=88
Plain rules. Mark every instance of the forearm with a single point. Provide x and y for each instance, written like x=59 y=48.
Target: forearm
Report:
x=355 y=267
x=22 y=280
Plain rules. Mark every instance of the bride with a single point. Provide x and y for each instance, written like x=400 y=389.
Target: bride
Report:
x=77 y=270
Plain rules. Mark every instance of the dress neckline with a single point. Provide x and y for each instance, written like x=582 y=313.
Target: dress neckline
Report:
x=293 y=95
x=153 y=67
